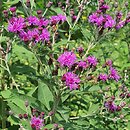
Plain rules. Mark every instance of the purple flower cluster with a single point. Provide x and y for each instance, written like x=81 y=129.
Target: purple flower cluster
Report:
x=111 y=106
x=67 y=59
x=103 y=20
x=71 y=80
x=33 y=29
x=92 y=60
x=82 y=64
x=100 y=20
x=103 y=77
x=57 y=19
x=113 y=74
x=36 y=122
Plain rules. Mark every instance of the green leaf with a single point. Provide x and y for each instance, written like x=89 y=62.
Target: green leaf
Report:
x=94 y=88
x=26 y=124
x=45 y=95
x=57 y=10
x=11 y=2
x=64 y=112
x=6 y=94
x=87 y=34
x=93 y=108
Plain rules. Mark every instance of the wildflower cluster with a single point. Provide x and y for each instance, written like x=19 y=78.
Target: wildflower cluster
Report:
x=111 y=103
x=34 y=29
x=37 y=119
x=103 y=20
x=69 y=60
x=112 y=72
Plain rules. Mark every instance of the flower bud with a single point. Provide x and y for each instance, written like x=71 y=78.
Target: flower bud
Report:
x=49 y=4
x=128 y=95
x=25 y=116
x=126 y=3
x=118 y=108
x=116 y=5
x=12 y=9
x=26 y=103
x=51 y=113
x=5 y=12
x=55 y=126
x=20 y=116
x=28 y=3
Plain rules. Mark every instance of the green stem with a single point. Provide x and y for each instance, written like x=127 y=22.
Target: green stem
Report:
x=56 y=103
x=3 y=112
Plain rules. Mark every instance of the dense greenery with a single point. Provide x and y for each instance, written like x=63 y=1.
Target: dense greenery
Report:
x=32 y=79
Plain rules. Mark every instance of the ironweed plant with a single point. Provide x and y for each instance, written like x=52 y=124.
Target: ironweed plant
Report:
x=64 y=65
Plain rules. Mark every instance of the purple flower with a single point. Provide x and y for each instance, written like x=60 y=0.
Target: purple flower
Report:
x=82 y=64
x=120 y=25
x=62 y=18
x=12 y=9
x=24 y=36
x=54 y=20
x=93 y=18
x=45 y=35
x=34 y=35
x=36 y=123
x=99 y=20
x=104 y=7
x=33 y=20
x=113 y=74
x=67 y=59
x=15 y=24
x=109 y=23
x=43 y=22
x=109 y=63
x=111 y=106
x=92 y=61
x=119 y=15
x=103 y=77
x=71 y=80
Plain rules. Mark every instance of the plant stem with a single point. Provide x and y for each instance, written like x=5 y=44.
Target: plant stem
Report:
x=3 y=112
x=56 y=103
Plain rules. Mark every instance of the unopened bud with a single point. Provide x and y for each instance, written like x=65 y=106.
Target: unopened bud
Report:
x=49 y=4
x=12 y=9
x=26 y=103
x=25 y=116
x=126 y=3
x=20 y=116
x=116 y=5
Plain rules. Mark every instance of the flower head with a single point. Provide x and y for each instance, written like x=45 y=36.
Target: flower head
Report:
x=109 y=24
x=67 y=59
x=111 y=106
x=92 y=61
x=71 y=80
x=43 y=22
x=120 y=25
x=113 y=74
x=62 y=18
x=33 y=20
x=16 y=24
x=45 y=35
x=36 y=122
x=82 y=64
x=104 y=7
x=54 y=20
x=93 y=18
x=103 y=77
